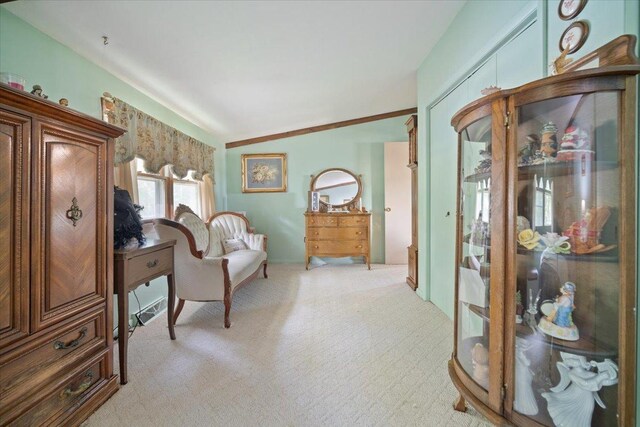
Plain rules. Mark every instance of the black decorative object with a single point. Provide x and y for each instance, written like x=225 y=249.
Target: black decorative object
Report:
x=127 y=220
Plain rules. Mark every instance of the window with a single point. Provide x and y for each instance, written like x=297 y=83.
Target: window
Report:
x=544 y=206
x=483 y=198
x=161 y=193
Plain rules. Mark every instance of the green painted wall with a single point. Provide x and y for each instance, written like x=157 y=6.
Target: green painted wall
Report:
x=61 y=72
x=358 y=148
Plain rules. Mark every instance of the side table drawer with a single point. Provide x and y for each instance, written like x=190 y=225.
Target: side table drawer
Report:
x=28 y=370
x=148 y=265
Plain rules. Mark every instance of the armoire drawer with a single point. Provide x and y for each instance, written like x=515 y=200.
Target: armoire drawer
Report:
x=346 y=248
x=335 y=233
x=51 y=354
x=52 y=404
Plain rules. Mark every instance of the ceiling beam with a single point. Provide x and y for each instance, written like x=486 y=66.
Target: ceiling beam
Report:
x=320 y=128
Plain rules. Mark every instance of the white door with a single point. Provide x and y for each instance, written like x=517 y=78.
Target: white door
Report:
x=397 y=198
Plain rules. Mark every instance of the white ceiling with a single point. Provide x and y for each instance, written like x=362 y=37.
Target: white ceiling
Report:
x=247 y=69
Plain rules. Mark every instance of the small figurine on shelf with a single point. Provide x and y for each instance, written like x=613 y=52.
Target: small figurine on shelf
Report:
x=519 y=307
x=528 y=152
x=480 y=362
x=64 y=102
x=485 y=163
x=584 y=235
x=37 y=91
x=549 y=144
x=522 y=224
x=559 y=322
x=572 y=401
x=556 y=243
x=524 y=398
x=532 y=309
x=575 y=144
x=529 y=239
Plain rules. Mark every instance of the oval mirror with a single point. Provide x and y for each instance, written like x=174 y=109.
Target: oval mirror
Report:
x=337 y=187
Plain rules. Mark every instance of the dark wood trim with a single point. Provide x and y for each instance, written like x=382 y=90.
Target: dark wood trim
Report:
x=187 y=233
x=320 y=128
x=24 y=101
x=620 y=51
x=617 y=70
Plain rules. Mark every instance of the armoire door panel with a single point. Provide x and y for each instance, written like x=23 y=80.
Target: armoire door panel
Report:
x=14 y=226
x=72 y=273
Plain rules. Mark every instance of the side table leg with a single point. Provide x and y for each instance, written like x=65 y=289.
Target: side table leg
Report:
x=123 y=332
x=170 y=304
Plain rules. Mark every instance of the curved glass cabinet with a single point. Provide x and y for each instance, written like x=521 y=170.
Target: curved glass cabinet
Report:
x=546 y=248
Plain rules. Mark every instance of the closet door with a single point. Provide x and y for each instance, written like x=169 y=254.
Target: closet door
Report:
x=14 y=227
x=69 y=236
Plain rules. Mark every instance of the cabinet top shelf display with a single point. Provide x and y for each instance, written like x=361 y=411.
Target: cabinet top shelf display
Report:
x=545 y=274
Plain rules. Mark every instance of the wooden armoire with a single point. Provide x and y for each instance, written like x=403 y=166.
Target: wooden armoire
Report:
x=56 y=246
x=412 y=129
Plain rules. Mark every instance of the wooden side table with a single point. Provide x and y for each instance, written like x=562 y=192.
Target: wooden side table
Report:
x=132 y=268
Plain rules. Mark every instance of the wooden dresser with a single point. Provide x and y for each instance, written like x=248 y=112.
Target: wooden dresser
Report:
x=337 y=235
x=56 y=241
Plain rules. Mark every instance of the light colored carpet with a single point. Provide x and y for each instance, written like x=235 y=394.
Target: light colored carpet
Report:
x=334 y=346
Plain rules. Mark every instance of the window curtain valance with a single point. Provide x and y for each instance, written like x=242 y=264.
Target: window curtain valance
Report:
x=156 y=143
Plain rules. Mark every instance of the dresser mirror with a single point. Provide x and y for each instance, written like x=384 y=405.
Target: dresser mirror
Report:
x=338 y=188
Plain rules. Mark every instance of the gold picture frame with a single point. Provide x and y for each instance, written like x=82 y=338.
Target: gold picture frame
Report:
x=264 y=173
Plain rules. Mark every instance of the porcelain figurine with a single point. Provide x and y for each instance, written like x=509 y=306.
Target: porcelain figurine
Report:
x=556 y=243
x=528 y=152
x=575 y=144
x=480 y=362
x=549 y=143
x=559 y=322
x=525 y=400
x=529 y=239
x=584 y=235
x=37 y=91
x=571 y=402
x=522 y=224
x=64 y=102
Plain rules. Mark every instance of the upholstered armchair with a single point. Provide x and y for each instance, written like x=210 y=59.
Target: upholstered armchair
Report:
x=203 y=271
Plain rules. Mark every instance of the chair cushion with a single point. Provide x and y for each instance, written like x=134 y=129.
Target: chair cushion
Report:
x=197 y=228
x=232 y=245
x=243 y=263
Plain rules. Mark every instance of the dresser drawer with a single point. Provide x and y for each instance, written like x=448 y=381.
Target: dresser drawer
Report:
x=351 y=221
x=54 y=403
x=344 y=248
x=149 y=265
x=335 y=233
x=27 y=369
x=322 y=221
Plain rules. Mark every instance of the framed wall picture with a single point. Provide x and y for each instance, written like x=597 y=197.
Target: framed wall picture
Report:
x=264 y=173
x=574 y=36
x=569 y=9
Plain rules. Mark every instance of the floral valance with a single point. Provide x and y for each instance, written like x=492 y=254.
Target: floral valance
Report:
x=155 y=142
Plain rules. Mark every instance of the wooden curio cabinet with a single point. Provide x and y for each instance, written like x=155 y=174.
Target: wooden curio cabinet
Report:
x=412 y=129
x=546 y=256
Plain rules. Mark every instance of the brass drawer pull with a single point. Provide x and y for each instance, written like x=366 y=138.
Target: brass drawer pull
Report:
x=359 y=247
x=316 y=233
x=67 y=392
x=59 y=345
x=358 y=232
x=152 y=264
x=74 y=213
x=317 y=247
